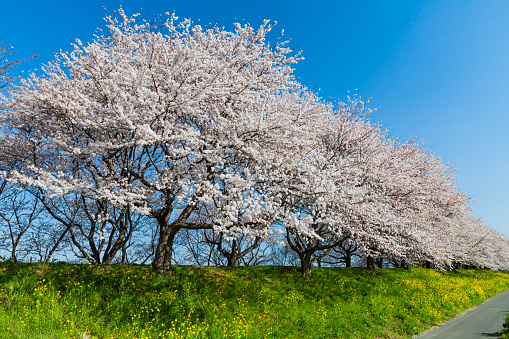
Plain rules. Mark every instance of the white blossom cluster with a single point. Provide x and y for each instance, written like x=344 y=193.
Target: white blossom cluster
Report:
x=181 y=119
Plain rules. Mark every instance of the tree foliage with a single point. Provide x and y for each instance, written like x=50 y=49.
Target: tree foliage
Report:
x=207 y=129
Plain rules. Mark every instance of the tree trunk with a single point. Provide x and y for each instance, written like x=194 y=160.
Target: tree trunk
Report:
x=305 y=265
x=164 y=250
x=348 y=260
x=124 y=254
x=370 y=263
x=13 y=254
x=404 y=264
x=232 y=260
x=108 y=257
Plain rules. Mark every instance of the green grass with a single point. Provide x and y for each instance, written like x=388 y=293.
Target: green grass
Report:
x=505 y=332
x=119 y=301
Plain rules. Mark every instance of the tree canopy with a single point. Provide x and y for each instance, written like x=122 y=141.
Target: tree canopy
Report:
x=205 y=128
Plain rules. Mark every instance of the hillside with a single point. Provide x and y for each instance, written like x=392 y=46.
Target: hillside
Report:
x=83 y=301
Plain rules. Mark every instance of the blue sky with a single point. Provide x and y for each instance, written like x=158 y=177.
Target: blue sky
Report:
x=435 y=70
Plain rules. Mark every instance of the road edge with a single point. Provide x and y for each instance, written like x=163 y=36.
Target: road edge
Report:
x=456 y=316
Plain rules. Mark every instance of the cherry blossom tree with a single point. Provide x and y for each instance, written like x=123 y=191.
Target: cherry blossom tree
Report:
x=392 y=197
x=163 y=122
x=320 y=216
x=473 y=244
x=17 y=214
x=6 y=65
x=208 y=129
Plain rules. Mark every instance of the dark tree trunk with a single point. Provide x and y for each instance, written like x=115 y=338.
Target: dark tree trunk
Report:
x=231 y=257
x=348 y=260
x=13 y=254
x=164 y=250
x=124 y=254
x=232 y=260
x=305 y=265
x=404 y=263
x=108 y=257
x=370 y=263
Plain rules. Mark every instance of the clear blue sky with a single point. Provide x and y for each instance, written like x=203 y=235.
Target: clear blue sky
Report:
x=436 y=70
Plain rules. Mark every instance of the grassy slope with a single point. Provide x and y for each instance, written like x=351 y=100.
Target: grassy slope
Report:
x=66 y=301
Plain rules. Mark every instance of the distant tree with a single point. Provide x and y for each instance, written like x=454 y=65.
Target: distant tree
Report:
x=97 y=231
x=310 y=249
x=472 y=244
x=342 y=254
x=233 y=250
x=205 y=248
x=140 y=247
x=18 y=214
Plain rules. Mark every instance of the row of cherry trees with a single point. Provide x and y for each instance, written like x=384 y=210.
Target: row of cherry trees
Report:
x=158 y=135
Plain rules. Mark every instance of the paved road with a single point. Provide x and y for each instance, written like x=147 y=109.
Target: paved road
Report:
x=483 y=321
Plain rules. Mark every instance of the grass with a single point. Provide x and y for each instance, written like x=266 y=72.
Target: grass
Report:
x=505 y=332
x=83 y=301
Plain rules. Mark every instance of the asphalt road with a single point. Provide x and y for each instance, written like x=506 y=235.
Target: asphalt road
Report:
x=483 y=321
